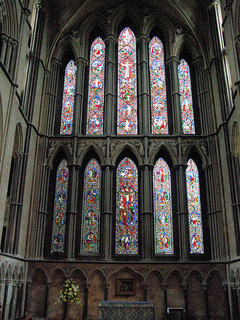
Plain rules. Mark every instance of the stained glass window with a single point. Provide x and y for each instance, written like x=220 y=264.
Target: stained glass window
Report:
x=68 y=98
x=127 y=83
x=127 y=208
x=91 y=208
x=185 y=89
x=60 y=206
x=163 y=226
x=158 y=87
x=194 y=208
x=96 y=88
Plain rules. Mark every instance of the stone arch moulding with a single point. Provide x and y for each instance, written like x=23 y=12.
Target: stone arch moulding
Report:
x=235 y=139
x=84 y=149
x=132 y=271
x=66 y=44
x=164 y=149
x=200 y=147
x=38 y=270
x=129 y=149
x=177 y=273
x=54 y=148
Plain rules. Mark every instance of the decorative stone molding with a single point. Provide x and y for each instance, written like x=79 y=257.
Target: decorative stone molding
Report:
x=203 y=146
x=82 y=145
x=114 y=146
x=51 y=147
x=69 y=146
x=185 y=146
x=152 y=146
x=173 y=146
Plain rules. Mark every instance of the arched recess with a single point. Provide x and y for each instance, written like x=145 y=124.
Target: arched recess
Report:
x=126 y=235
x=10 y=226
x=55 y=311
x=216 y=297
x=175 y=293
x=56 y=225
x=78 y=311
x=198 y=228
x=164 y=205
x=195 y=295
x=37 y=288
x=96 y=293
x=155 y=294
x=90 y=185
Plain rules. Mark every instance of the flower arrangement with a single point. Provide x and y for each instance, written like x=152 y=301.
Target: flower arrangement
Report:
x=69 y=293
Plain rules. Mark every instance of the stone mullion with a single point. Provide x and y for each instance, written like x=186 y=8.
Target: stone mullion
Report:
x=219 y=59
x=110 y=85
x=144 y=85
x=12 y=309
x=72 y=207
x=4 y=39
x=9 y=244
x=48 y=283
x=33 y=67
x=42 y=212
x=235 y=306
x=7 y=61
x=173 y=63
x=53 y=95
x=205 y=288
x=146 y=211
x=4 y=315
x=19 y=299
x=201 y=94
x=237 y=45
x=182 y=211
x=107 y=213
x=12 y=66
x=81 y=64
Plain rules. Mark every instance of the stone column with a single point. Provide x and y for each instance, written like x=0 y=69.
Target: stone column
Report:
x=172 y=64
x=144 y=108
x=146 y=212
x=14 y=204
x=42 y=212
x=185 y=290
x=13 y=302
x=85 y=309
x=72 y=206
x=198 y=68
x=81 y=64
x=5 y=300
x=205 y=286
x=107 y=205
x=107 y=285
x=4 y=39
x=52 y=95
x=28 y=284
x=48 y=284
x=235 y=306
x=164 y=285
x=144 y=286
x=2 y=294
x=19 y=299
x=182 y=211
x=110 y=86
x=237 y=44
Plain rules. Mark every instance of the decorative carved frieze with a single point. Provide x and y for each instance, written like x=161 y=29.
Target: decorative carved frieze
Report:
x=173 y=146
x=51 y=147
x=203 y=146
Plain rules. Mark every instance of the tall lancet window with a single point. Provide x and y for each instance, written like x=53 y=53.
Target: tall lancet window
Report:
x=194 y=208
x=127 y=208
x=60 y=207
x=91 y=208
x=186 y=100
x=127 y=83
x=163 y=226
x=158 y=87
x=68 y=98
x=96 y=87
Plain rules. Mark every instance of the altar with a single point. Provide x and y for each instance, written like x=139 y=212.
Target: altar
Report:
x=111 y=310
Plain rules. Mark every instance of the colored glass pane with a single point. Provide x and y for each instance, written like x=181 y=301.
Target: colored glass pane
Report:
x=127 y=208
x=185 y=89
x=158 y=87
x=194 y=208
x=68 y=98
x=96 y=88
x=127 y=83
x=60 y=206
x=91 y=208
x=163 y=227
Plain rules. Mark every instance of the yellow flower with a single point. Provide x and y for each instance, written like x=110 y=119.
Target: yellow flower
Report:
x=66 y=285
x=65 y=300
x=71 y=300
x=60 y=291
x=70 y=288
x=75 y=293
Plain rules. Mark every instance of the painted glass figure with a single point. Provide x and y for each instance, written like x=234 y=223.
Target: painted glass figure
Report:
x=96 y=88
x=127 y=208
x=163 y=226
x=68 y=98
x=91 y=208
x=127 y=83
x=158 y=87
x=194 y=208
x=60 y=206
x=185 y=89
